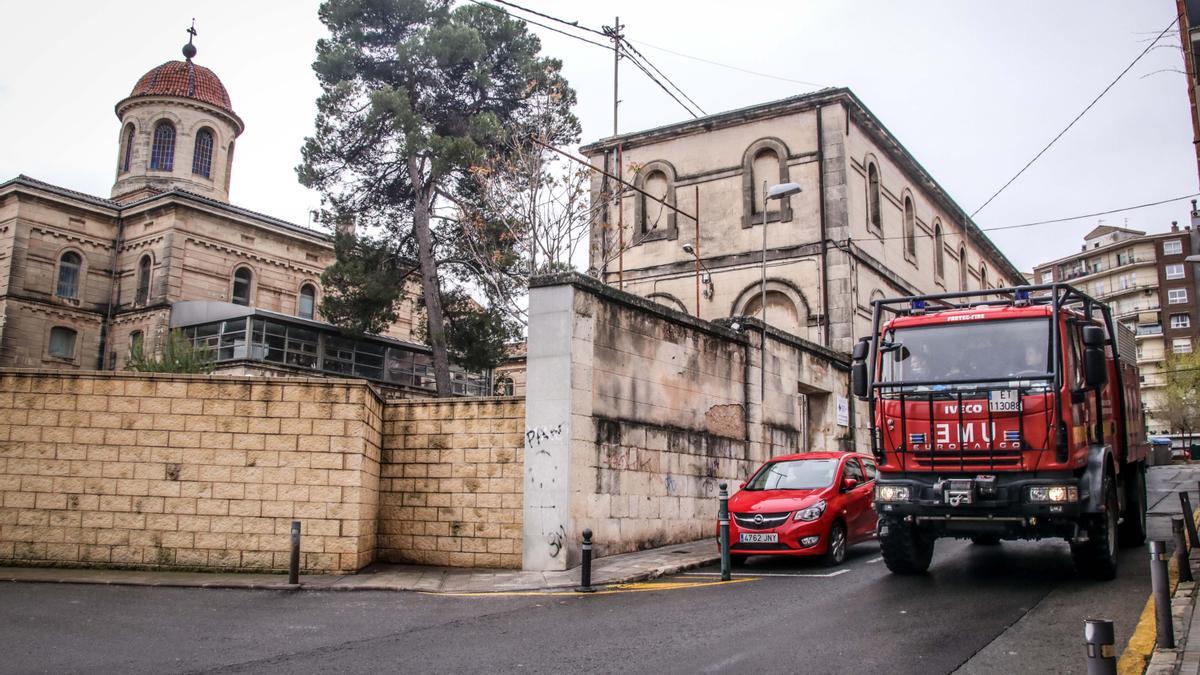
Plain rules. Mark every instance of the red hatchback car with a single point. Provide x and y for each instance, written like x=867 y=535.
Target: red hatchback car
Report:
x=812 y=504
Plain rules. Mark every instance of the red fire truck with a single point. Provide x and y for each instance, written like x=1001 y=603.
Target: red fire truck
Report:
x=1004 y=414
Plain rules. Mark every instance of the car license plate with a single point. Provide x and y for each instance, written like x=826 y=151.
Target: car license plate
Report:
x=1004 y=400
x=760 y=538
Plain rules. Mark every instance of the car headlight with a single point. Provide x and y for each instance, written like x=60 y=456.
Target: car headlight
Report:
x=811 y=513
x=892 y=493
x=1054 y=493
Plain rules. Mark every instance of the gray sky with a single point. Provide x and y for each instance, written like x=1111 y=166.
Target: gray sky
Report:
x=973 y=88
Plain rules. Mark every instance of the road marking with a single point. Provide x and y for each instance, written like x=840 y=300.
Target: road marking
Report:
x=635 y=587
x=874 y=560
x=769 y=574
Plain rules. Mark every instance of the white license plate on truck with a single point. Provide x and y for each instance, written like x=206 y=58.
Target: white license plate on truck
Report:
x=1004 y=400
x=760 y=538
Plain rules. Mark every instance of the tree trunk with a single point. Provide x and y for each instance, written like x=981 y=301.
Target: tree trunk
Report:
x=429 y=285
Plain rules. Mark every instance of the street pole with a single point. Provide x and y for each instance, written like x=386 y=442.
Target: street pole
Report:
x=1161 y=590
x=723 y=518
x=696 y=247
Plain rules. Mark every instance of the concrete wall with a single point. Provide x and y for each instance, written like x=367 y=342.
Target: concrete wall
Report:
x=640 y=412
x=186 y=471
x=450 y=491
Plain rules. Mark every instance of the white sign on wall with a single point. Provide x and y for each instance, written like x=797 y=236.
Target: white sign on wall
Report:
x=843 y=411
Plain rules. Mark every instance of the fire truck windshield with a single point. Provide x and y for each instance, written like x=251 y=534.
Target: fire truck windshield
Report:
x=962 y=353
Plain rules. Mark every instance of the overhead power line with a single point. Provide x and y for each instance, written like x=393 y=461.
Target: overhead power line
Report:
x=542 y=25
x=730 y=67
x=628 y=45
x=642 y=67
x=1080 y=115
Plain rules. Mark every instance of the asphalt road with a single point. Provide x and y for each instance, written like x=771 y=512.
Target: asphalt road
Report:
x=1017 y=607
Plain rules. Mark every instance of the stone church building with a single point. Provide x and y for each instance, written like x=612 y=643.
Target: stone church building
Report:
x=870 y=221
x=85 y=280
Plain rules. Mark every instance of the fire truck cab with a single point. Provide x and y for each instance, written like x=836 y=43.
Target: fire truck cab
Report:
x=1004 y=414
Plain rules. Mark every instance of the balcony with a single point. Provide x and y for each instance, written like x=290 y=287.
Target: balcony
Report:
x=1123 y=312
x=1148 y=330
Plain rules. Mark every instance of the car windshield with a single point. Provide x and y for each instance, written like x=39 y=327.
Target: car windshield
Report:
x=967 y=351
x=794 y=474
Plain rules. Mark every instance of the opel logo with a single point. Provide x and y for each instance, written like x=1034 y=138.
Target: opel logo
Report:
x=758 y=519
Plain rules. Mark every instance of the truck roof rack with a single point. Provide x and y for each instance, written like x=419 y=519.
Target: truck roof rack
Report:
x=1058 y=295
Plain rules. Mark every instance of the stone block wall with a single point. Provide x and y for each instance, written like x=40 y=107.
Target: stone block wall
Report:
x=187 y=471
x=450 y=489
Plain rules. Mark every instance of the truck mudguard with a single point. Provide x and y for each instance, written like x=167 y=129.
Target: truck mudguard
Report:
x=1091 y=484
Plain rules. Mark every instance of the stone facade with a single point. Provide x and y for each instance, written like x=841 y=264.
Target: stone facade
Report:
x=451 y=482
x=187 y=471
x=869 y=223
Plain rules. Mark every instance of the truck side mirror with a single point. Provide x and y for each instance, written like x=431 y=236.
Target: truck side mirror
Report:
x=1093 y=336
x=858 y=369
x=861 y=349
x=1095 y=366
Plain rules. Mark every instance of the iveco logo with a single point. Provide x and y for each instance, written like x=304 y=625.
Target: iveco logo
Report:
x=758 y=519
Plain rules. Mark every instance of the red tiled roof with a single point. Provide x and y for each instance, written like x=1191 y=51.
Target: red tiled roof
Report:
x=185 y=79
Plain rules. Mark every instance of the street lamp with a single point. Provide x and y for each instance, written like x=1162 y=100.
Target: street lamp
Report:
x=781 y=191
x=706 y=278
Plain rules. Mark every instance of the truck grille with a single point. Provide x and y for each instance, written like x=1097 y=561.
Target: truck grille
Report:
x=751 y=521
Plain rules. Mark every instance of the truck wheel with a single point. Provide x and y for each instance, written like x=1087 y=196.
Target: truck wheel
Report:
x=1133 y=528
x=906 y=549
x=1097 y=557
x=986 y=540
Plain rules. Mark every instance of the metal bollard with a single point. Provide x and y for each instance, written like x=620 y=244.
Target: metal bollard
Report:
x=1181 y=549
x=1189 y=518
x=723 y=517
x=1161 y=585
x=1101 y=654
x=585 y=569
x=294 y=563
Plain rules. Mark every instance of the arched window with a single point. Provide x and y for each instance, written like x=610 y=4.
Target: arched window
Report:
x=653 y=220
x=62 y=343
x=162 y=152
x=504 y=386
x=242 y=281
x=127 y=148
x=143 y=281
x=202 y=157
x=69 y=267
x=939 y=251
x=228 y=165
x=765 y=161
x=910 y=228
x=983 y=276
x=962 y=268
x=136 y=340
x=308 y=301
x=873 y=214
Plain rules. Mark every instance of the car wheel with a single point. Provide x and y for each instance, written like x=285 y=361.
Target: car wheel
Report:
x=1096 y=558
x=835 y=549
x=906 y=548
x=986 y=540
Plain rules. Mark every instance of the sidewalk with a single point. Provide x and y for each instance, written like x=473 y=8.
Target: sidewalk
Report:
x=1165 y=484
x=621 y=568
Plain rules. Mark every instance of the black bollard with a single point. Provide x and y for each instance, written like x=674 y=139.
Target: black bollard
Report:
x=1181 y=549
x=294 y=563
x=1189 y=518
x=585 y=569
x=723 y=517
x=1161 y=585
x=1101 y=654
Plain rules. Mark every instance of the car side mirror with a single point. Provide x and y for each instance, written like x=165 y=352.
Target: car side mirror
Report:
x=849 y=484
x=742 y=485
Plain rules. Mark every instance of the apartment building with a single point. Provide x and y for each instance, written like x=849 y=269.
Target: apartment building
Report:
x=1149 y=286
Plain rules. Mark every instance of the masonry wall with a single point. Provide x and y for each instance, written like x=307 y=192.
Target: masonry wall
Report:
x=450 y=490
x=180 y=471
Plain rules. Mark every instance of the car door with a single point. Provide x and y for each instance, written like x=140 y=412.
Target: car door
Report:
x=870 y=517
x=856 y=500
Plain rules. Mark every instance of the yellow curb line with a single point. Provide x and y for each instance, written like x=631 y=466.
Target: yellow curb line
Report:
x=636 y=587
x=1138 y=651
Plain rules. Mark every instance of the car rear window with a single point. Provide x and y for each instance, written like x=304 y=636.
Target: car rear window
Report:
x=794 y=474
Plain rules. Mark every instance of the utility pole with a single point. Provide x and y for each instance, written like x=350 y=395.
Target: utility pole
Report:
x=614 y=34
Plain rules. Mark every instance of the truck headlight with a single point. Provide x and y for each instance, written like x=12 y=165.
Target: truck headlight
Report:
x=892 y=493
x=811 y=513
x=1053 y=494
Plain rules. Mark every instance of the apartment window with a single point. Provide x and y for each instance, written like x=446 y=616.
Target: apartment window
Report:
x=1172 y=247
x=1127 y=281
x=1048 y=277
x=1099 y=288
x=136 y=339
x=1174 y=271
x=1181 y=345
x=62 y=343
x=69 y=266
x=308 y=301
x=1181 y=321
x=1176 y=296
x=242 y=281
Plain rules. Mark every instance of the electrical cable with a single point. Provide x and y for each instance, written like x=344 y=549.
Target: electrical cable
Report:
x=647 y=61
x=655 y=80
x=542 y=25
x=726 y=65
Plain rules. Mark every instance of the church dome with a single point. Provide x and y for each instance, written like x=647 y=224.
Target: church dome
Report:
x=185 y=80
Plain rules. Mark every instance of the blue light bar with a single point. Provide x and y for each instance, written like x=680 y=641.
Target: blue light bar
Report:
x=918 y=306
x=1021 y=297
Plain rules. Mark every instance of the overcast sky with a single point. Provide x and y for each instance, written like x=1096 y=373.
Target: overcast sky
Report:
x=973 y=90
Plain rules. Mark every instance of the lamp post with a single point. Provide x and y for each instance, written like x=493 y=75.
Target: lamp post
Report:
x=706 y=278
x=781 y=191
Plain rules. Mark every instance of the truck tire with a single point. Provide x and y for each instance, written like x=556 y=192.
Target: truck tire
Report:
x=1133 y=526
x=1097 y=557
x=906 y=549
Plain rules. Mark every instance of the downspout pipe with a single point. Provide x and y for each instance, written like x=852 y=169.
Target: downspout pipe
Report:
x=825 y=333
